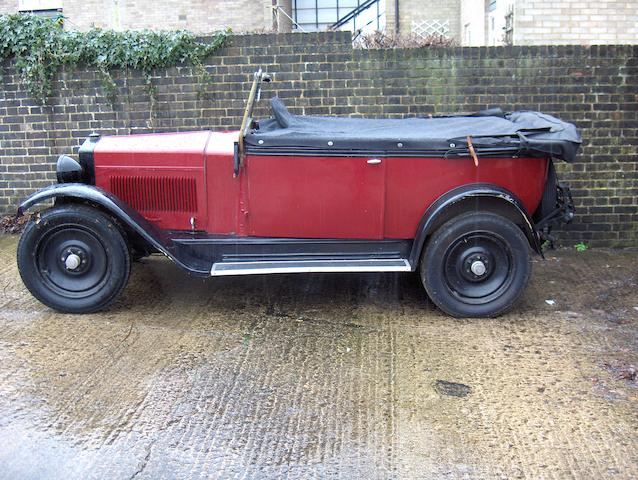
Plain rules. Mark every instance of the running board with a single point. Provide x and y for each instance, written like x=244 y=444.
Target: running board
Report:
x=310 y=266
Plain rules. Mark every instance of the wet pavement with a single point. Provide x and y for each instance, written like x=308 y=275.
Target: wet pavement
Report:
x=314 y=376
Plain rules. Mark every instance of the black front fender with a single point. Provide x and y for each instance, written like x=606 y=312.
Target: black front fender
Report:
x=475 y=196
x=127 y=216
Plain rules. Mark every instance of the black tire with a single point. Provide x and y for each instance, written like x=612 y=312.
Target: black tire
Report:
x=460 y=249
x=98 y=247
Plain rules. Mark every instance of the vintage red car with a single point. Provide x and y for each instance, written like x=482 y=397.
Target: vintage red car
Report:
x=462 y=200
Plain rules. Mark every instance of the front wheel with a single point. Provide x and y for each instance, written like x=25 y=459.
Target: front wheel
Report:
x=74 y=259
x=476 y=265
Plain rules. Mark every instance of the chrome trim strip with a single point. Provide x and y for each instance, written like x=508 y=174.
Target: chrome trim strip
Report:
x=310 y=266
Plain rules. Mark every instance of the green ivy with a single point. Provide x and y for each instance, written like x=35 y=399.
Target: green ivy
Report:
x=41 y=48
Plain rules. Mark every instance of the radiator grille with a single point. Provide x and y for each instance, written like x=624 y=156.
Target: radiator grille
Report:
x=156 y=194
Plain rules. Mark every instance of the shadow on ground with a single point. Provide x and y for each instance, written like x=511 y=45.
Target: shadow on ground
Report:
x=299 y=376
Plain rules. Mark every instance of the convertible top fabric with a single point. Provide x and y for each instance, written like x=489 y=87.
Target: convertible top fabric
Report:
x=491 y=132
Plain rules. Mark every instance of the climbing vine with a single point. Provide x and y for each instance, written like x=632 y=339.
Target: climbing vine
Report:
x=41 y=48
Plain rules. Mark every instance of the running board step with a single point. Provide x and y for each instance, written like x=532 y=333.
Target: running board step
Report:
x=311 y=266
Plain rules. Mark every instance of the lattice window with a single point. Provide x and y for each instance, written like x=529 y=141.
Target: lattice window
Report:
x=427 y=28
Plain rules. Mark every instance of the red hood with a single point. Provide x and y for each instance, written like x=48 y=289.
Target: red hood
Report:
x=162 y=149
x=163 y=175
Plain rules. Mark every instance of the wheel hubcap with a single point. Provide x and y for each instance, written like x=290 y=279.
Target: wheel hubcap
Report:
x=76 y=256
x=72 y=262
x=478 y=267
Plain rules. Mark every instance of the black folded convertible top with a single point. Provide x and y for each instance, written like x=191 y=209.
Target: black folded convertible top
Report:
x=492 y=132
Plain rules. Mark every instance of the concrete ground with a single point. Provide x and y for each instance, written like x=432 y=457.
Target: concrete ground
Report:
x=312 y=376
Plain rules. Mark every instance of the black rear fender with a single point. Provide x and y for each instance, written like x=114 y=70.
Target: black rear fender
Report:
x=477 y=197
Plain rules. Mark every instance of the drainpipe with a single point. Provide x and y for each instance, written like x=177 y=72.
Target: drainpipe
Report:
x=396 y=17
x=275 y=27
x=281 y=23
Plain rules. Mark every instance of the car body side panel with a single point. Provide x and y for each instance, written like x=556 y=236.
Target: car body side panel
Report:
x=315 y=196
x=413 y=184
x=222 y=187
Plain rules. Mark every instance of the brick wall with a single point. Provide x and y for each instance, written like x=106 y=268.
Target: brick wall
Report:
x=575 y=22
x=200 y=16
x=597 y=88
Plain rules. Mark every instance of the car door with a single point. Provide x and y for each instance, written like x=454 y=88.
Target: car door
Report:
x=315 y=196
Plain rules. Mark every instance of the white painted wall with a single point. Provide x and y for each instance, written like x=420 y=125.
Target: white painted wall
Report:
x=472 y=23
x=496 y=21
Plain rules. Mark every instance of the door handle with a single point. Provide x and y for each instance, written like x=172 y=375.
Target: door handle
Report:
x=374 y=161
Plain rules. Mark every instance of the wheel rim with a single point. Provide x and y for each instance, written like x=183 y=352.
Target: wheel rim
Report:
x=478 y=267
x=72 y=262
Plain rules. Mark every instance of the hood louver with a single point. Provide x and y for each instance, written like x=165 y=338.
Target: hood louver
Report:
x=156 y=194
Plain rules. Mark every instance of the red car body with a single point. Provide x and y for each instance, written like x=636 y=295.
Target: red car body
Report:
x=171 y=178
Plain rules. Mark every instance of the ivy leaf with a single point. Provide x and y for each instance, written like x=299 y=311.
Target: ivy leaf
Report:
x=41 y=47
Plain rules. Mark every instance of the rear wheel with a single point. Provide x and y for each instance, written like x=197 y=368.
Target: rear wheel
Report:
x=476 y=265
x=74 y=259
